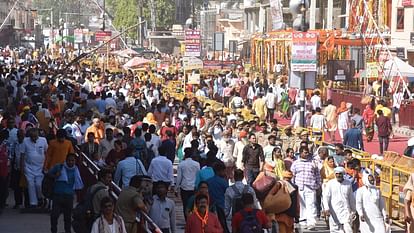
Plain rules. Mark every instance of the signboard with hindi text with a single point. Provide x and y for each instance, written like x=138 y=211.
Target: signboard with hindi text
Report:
x=192 y=63
x=194 y=79
x=304 y=51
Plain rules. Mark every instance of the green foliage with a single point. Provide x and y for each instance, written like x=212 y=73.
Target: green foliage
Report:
x=165 y=10
x=126 y=15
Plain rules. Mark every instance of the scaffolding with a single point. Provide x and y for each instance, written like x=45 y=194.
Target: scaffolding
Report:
x=208 y=28
x=368 y=25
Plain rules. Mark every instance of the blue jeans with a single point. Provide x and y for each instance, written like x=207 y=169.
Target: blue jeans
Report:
x=251 y=175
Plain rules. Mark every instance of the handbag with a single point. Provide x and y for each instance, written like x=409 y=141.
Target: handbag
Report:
x=278 y=199
x=263 y=184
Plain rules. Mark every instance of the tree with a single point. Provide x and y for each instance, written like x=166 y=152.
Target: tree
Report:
x=126 y=15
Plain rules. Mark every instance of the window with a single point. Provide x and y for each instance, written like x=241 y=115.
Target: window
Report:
x=400 y=19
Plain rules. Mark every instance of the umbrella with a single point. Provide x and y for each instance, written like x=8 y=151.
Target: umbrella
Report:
x=136 y=62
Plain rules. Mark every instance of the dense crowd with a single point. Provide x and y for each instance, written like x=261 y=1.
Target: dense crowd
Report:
x=238 y=170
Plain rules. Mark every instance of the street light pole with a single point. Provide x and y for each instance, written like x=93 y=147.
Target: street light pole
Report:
x=302 y=95
x=103 y=23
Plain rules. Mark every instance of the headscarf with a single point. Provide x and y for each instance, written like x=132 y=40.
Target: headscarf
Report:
x=327 y=171
x=365 y=179
x=342 y=108
x=339 y=170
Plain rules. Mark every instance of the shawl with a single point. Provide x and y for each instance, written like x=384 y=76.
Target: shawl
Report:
x=78 y=184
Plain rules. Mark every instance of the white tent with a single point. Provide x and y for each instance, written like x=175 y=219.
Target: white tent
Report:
x=392 y=66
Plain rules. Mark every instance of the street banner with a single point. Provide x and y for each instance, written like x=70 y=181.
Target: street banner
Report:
x=304 y=51
x=78 y=34
x=192 y=43
x=192 y=63
x=102 y=35
x=194 y=79
x=192 y=49
x=276 y=12
x=218 y=65
x=192 y=35
x=372 y=70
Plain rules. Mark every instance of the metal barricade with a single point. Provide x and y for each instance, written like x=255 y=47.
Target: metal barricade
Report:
x=85 y=161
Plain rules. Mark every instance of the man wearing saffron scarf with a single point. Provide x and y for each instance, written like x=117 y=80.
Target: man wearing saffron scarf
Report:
x=202 y=220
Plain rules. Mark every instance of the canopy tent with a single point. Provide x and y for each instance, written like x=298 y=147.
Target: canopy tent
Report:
x=125 y=53
x=136 y=62
x=394 y=65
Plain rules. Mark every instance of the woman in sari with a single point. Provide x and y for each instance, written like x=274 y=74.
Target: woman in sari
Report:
x=284 y=105
x=369 y=118
x=327 y=171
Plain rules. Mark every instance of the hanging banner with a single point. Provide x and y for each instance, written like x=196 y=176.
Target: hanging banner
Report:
x=276 y=11
x=78 y=34
x=304 y=51
x=372 y=70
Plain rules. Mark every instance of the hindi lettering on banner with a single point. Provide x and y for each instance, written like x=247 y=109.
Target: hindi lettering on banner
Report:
x=304 y=51
x=276 y=11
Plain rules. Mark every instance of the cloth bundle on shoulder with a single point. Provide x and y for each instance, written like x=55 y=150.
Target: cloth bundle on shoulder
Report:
x=263 y=184
x=278 y=199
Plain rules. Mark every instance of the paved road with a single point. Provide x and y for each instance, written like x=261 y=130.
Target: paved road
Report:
x=12 y=221
x=398 y=143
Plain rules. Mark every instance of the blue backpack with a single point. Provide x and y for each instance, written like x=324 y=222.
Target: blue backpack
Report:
x=250 y=223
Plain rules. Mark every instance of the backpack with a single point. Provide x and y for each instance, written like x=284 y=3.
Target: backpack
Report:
x=48 y=184
x=250 y=223
x=83 y=214
x=236 y=202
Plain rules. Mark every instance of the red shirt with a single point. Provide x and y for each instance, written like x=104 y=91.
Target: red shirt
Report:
x=194 y=224
x=238 y=218
x=163 y=132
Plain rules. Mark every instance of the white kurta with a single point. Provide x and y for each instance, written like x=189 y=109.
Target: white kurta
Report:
x=339 y=199
x=343 y=120
x=370 y=204
x=34 y=155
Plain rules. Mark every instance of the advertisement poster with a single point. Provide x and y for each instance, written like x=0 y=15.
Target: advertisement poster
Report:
x=304 y=51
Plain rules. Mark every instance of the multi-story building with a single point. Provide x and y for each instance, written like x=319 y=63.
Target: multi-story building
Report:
x=402 y=28
x=19 y=25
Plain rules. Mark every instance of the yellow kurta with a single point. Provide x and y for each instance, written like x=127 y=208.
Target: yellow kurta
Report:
x=259 y=107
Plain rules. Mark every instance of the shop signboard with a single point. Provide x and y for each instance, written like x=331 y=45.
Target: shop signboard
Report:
x=102 y=35
x=304 y=51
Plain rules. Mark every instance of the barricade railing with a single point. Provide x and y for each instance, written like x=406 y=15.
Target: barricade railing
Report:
x=150 y=226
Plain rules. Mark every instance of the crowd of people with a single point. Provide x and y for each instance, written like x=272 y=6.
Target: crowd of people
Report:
x=234 y=160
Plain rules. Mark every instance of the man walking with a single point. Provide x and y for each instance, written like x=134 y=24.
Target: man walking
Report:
x=339 y=202
x=384 y=131
x=33 y=156
x=253 y=159
x=186 y=176
x=68 y=180
x=308 y=179
x=370 y=206
x=353 y=137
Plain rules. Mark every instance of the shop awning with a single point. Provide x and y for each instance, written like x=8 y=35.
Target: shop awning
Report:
x=394 y=65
